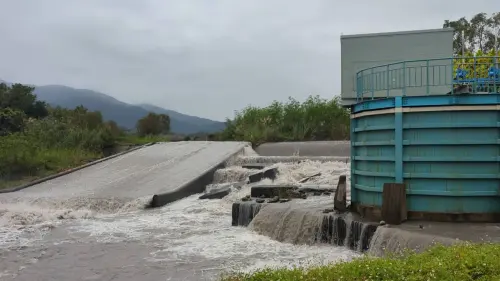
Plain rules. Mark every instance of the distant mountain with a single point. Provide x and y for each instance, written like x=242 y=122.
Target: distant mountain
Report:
x=124 y=114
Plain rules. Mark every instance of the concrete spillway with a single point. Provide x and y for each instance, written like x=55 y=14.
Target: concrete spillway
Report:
x=161 y=168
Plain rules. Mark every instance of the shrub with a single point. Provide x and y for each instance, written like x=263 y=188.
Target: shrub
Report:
x=314 y=119
x=11 y=120
x=153 y=124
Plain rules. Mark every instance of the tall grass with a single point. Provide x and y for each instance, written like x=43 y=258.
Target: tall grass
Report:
x=51 y=145
x=22 y=159
x=313 y=119
x=46 y=146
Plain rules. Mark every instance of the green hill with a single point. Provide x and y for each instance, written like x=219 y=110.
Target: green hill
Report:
x=124 y=114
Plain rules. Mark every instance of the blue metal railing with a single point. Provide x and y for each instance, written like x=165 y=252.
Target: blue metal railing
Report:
x=430 y=77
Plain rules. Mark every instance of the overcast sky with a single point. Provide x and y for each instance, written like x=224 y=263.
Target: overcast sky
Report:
x=200 y=57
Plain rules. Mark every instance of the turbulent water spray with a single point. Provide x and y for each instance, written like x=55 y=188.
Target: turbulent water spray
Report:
x=304 y=221
x=184 y=231
x=288 y=223
x=231 y=174
x=250 y=159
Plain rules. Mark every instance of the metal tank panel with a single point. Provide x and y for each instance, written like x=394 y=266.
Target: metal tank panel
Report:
x=445 y=148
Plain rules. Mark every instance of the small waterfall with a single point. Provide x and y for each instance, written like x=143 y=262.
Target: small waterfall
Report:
x=288 y=224
x=305 y=225
x=343 y=230
x=243 y=213
x=360 y=235
x=333 y=230
x=298 y=221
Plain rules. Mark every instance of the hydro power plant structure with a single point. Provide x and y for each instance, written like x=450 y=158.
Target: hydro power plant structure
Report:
x=425 y=118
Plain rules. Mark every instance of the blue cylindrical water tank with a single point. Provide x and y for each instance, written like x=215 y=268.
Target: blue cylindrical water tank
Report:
x=445 y=148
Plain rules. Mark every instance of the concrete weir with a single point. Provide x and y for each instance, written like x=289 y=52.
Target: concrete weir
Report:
x=287 y=222
x=301 y=223
x=164 y=172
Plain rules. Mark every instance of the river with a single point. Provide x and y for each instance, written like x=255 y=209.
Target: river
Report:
x=190 y=239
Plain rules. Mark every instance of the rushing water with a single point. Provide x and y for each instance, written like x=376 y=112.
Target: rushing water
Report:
x=191 y=239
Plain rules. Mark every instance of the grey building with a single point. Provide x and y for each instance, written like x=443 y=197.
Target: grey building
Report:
x=419 y=77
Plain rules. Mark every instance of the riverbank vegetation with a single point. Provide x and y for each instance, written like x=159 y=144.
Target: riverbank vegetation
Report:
x=313 y=119
x=37 y=140
x=459 y=262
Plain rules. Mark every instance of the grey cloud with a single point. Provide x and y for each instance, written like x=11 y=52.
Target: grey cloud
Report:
x=206 y=58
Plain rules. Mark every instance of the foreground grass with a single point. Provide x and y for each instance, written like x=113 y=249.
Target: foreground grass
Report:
x=454 y=263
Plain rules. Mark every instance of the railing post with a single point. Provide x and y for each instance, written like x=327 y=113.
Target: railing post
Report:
x=451 y=90
x=428 y=90
x=387 y=74
x=404 y=78
x=474 y=83
x=496 y=72
x=357 y=87
x=372 y=82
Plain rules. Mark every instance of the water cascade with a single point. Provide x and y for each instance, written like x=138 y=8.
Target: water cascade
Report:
x=193 y=229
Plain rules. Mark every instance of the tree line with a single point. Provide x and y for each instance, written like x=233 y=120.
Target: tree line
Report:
x=36 y=138
x=19 y=107
x=479 y=33
x=314 y=119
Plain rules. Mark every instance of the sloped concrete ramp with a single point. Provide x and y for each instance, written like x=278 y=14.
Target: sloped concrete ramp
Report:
x=157 y=169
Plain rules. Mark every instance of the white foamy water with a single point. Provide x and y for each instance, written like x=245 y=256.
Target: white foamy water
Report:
x=190 y=239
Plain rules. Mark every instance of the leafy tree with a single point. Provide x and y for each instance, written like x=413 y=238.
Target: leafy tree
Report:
x=461 y=25
x=153 y=124
x=479 y=33
x=21 y=97
x=113 y=128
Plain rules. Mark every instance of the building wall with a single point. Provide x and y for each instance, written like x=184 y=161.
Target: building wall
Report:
x=368 y=50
